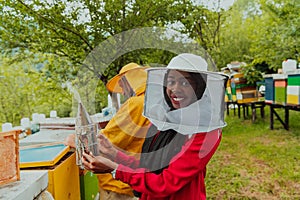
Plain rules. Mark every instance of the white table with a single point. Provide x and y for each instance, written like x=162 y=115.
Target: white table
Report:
x=32 y=183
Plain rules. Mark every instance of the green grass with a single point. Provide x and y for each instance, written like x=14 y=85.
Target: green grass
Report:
x=254 y=162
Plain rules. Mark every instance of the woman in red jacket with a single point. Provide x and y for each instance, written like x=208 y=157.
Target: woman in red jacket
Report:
x=187 y=113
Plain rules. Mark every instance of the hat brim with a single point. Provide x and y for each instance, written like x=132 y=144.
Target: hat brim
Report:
x=113 y=84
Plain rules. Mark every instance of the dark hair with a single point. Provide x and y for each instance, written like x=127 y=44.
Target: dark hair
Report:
x=200 y=80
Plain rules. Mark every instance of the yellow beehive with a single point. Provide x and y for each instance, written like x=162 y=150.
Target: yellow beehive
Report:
x=246 y=96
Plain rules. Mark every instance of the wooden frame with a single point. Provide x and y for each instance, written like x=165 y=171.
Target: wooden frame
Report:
x=9 y=154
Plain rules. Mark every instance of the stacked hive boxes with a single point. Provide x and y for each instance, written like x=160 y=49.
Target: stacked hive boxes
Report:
x=269 y=83
x=228 y=92
x=283 y=89
x=245 y=92
x=233 y=89
x=227 y=95
x=280 y=83
x=293 y=89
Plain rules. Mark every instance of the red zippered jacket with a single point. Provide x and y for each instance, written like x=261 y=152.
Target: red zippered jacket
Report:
x=182 y=179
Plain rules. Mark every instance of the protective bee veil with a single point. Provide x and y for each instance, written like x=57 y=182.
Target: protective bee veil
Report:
x=205 y=114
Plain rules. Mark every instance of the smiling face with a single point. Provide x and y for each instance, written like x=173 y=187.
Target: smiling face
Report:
x=180 y=88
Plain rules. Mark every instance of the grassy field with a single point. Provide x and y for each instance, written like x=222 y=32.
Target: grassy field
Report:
x=254 y=162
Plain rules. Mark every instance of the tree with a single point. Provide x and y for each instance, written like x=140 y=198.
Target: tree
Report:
x=260 y=33
x=72 y=29
x=278 y=35
x=25 y=90
x=204 y=26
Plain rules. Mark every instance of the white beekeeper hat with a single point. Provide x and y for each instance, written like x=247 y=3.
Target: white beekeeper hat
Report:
x=204 y=115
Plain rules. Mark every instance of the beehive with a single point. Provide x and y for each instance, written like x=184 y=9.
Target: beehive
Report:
x=233 y=90
x=228 y=94
x=236 y=82
x=293 y=89
x=9 y=154
x=269 y=93
x=246 y=96
x=245 y=92
x=280 y=87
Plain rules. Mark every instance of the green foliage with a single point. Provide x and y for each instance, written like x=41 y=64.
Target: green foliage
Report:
x=235 y=33
x=71 y=30
x=204 y=26
x=274 y=37
x=26 y=90
x=255 y=31
x=251 y=74
x=259 y=31
x=251 y=31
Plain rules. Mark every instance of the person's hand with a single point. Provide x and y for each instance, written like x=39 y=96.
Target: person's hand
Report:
x=106 y=147
x=70 y=141
x=98 y=164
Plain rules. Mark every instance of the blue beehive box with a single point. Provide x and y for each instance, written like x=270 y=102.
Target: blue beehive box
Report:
x=269 y=84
